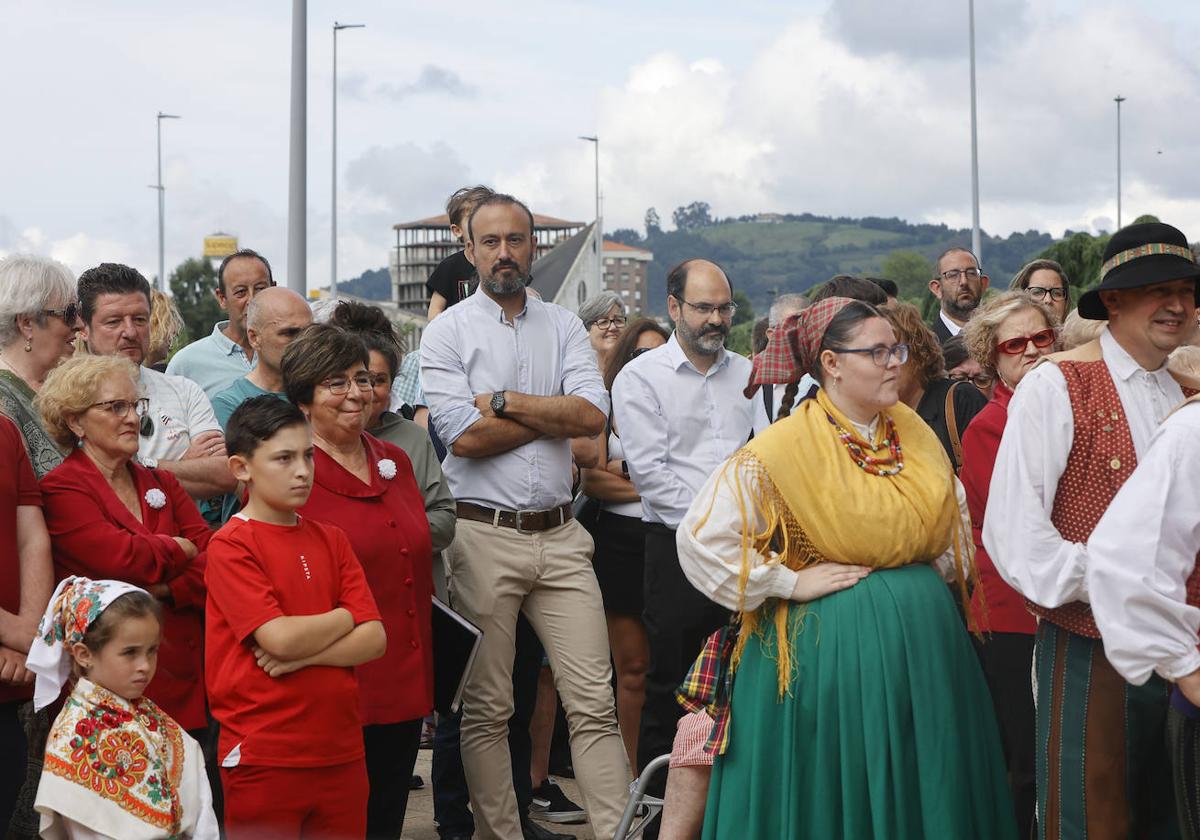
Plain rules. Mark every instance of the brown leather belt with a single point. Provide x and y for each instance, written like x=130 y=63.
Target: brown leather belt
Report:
x=523 y=521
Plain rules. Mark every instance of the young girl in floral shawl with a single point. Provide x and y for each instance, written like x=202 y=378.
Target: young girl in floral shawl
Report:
x=116 y=765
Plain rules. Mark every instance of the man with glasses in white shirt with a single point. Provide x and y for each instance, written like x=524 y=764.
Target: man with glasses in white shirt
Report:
x=958 y=283
x=682 y=411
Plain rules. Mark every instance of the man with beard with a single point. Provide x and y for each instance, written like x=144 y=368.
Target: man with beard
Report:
x=958 y=283
x=510 y=379
x=681 y=411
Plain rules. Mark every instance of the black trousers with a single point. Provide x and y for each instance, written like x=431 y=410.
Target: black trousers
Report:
x=391 y=750
x=678 y=619
x=451 y=799
x=14 y=750
x=1007 y=659
x=1183 y=745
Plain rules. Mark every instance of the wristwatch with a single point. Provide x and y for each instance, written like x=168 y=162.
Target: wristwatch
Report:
x=498 y=403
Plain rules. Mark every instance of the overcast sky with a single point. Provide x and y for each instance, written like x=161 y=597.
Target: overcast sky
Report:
x=839 y=107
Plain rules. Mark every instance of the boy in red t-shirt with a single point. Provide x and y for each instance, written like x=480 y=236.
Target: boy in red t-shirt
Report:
x=289 y=614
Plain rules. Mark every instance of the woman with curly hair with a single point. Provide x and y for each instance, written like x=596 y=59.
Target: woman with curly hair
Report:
x=109 y=517
x=947 y=406
x=1007 y=335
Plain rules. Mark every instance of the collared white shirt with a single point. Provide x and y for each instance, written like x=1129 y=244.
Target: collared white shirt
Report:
x=1141 y=554
x=179 y=411
x=213 y=362
x=472 y=349
x=678 y=424
x=761 y=420
x=954 y=328
x=1027 y=549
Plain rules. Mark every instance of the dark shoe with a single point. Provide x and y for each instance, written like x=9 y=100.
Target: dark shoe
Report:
x=416 y=783
x=532 y=831
x=551 y=804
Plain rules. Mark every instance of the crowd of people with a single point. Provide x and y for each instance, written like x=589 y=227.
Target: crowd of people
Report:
x=882 y=579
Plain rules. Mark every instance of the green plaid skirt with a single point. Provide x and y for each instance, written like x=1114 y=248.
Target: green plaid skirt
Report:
x=887 y=731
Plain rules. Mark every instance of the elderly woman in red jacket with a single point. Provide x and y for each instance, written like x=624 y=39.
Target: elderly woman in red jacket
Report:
x=1007 y=335
x=366 y=487
x=109 y=517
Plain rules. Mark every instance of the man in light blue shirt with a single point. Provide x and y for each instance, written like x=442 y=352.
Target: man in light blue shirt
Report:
x=509 y=380
x=215 y=361
x=681 y=411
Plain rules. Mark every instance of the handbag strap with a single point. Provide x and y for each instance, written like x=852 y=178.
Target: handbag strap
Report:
x=952 y=427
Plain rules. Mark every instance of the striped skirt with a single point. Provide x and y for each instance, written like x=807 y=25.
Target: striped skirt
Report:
x=1102 y=764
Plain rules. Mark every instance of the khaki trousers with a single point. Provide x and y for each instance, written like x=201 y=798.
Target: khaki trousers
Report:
x=494 y=574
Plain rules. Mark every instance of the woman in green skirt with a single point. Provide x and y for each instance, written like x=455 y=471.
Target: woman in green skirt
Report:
x=858 y=709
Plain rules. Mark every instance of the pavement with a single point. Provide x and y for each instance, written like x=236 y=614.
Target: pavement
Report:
x=418 y=821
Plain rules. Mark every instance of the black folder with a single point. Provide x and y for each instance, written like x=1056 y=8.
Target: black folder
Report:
x=455 y=644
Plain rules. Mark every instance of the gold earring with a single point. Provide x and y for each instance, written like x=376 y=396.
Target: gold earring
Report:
x=29 y=345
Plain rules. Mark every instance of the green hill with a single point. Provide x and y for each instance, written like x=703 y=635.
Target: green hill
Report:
x=800 y=251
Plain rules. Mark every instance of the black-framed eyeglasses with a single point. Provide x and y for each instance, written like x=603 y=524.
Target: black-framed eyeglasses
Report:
x=1040 y=292
x=982 y=381
x=882 y=354
x=68 y=314
x=340 y=385
x=121 y=407
x=604 y=323
x=378 y=379
x=707 y=309
x=956 y=274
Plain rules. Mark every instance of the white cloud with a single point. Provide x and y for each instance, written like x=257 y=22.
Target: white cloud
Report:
x=827 y=118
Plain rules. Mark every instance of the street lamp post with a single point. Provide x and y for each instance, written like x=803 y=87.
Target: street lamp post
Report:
x=333 y=278
x=976 y=245
x=297 y=242
x=598 y=232
x=1119 y=99
x=162 y=200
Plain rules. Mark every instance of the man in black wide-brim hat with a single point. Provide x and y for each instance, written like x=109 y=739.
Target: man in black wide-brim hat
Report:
x=1077 y=426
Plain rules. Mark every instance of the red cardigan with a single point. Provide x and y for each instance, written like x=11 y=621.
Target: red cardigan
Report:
x=386 y=523
x=1005 y=608
x=93 y=534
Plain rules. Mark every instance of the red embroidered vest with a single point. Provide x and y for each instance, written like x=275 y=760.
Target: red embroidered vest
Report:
x=1102 y=458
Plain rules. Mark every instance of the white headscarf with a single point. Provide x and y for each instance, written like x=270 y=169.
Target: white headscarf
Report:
x=74 y=607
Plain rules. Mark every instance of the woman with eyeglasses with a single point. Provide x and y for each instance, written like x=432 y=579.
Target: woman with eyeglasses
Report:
x=947 y=406
x=1045 y=282
x=856 y=707
x=109 y=517
x=960 y=367
x=366 y=486
x=620 y=536
x=1007 y=336
x=604 y=318
x=39 y=319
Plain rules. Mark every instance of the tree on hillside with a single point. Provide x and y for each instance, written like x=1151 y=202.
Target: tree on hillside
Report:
x=745 y=309
x=1080 y=255
x=695 y=215
x=626 y=236
x=653 y=223
x=908 y=270
x=193 y=283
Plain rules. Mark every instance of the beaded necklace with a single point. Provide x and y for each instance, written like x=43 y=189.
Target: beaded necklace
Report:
x=858 y=448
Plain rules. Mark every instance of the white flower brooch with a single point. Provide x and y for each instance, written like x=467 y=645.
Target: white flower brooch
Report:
x=387 y=468
x=156 y=498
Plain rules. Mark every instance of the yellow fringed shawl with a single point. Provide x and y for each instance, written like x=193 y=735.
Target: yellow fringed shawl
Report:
x=820 y=506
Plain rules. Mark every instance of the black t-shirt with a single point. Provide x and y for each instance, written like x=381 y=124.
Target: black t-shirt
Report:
x=454 y=278
x=968 y=401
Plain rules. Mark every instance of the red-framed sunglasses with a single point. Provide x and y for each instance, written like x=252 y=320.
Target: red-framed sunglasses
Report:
x=1016 y=346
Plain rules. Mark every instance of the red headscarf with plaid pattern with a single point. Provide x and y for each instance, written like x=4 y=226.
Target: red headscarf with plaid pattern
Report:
x=794 y=346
